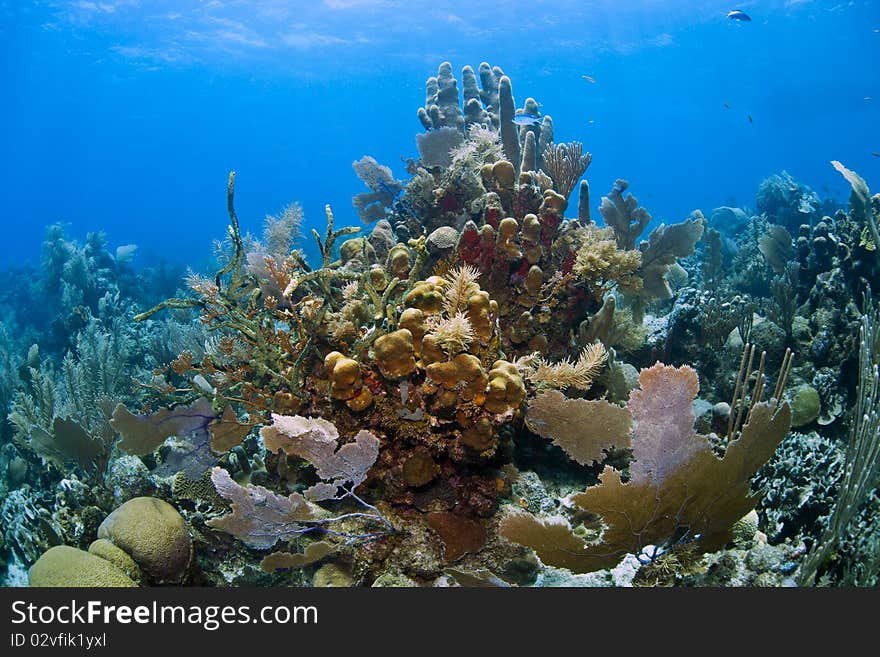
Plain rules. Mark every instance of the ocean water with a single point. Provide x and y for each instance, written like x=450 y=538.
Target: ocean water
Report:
x=502 y=382
x=126 y=116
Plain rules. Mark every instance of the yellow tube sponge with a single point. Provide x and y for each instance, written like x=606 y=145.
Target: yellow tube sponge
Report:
x=504 y=173
x=508 y=228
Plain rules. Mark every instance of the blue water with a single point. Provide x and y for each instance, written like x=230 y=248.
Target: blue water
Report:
x=126 y=116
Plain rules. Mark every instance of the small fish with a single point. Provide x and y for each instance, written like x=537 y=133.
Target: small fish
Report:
x=875 y=153
x=524 y=119
x=868 y=98
x=739 y=15
x=588 y=79
x=727 y=105
x=750 y=119
x=591 y=121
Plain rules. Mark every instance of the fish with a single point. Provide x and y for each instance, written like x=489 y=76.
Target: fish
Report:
x=739 y=15
x=875 y=153
x=588 y=79
x=750 y=119
x=727 y=105
x=525 y=119
x=868 y=98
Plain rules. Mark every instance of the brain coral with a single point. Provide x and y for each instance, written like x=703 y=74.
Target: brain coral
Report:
x=154 y=534
x=63 y=565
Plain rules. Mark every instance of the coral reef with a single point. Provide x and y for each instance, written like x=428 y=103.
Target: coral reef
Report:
x=469 y=389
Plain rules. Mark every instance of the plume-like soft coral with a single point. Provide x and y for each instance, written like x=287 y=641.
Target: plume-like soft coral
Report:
x=579 y=374
x=453 y=334
x=566 y=163
x=459 y=285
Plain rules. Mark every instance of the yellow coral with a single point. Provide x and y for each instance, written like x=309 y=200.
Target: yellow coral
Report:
x=394 y=354
x=554 y=202
x=431 y=351
x=480 y=437
x=378 y=278
x=531 y=228
x=357 y=248
x=413 y=320
x=361 y=401
x=344 y=373
x=506 y=388
x=398 y=262
x=481 y=312
x=345 y=381
x=463 y=373
x=426 y=295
